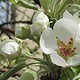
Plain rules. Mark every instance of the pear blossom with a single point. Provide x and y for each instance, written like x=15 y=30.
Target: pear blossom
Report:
x=63 y=42
x=10 y=49
x=40 y=22
x=40 y=16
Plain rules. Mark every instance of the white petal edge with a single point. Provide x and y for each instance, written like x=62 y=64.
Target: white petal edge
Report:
x=58 y=60
x=74 y=61
x=66 y=14
x=48 y=41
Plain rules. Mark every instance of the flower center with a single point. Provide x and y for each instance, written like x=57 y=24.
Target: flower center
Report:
x=66 y=50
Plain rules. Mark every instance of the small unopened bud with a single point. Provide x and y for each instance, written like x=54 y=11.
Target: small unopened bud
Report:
x=40 y=22
x=4 y=37
x=10 y=49
x=22 y=31
x=40 y=16
x=37 y=27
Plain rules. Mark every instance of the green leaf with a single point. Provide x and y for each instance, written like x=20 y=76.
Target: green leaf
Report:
x=67 y=74
x=76 y=69
x=77 y=2
x=77 y=77
x=13 y=1
x=24 y=4
x=53 y=6
x=64 y=77
x=29 y=75
x=26 y=32
x=45 y=3
x=57 y=7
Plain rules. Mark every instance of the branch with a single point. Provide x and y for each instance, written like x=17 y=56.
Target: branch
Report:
x=15 y=22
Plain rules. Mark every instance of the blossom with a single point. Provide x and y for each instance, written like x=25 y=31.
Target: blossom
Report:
x=9 y=49
x=22 y=31
x=40 y=22
x=63 y=42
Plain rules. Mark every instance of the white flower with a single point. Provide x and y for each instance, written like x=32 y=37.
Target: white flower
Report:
x=40 y=22
x=9 y=49
x=63 y=44
x=40 y=16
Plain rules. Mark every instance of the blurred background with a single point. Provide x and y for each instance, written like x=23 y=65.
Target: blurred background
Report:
x=12 y=15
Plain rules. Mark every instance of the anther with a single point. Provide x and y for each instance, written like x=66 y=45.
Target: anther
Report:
x=70 y=42
x=74 y=48
x=71 y=39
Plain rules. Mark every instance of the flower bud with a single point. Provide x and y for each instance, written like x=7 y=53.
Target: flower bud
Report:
x=40 y=22
x=22 y=31
x=4 y=37
x=10 y=49
x=37 y=27
x=40 y=16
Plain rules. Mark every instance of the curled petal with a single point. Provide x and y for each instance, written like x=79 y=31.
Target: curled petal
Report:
x=48 y=41
x=65 y=29
x=58 y=60
x=74 y=61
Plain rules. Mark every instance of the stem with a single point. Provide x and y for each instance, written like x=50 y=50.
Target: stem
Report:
x=68 y=74
x=13 y=70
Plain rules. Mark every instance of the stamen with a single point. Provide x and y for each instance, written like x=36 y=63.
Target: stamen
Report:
x=66 y=50
x=74 y=48
x=72 y=51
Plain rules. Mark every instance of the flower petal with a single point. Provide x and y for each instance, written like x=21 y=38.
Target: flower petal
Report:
x=58 y=60
x=77 y=42
x=48 y=41
x=66 y=14
x=74 y=61
x=65 y=29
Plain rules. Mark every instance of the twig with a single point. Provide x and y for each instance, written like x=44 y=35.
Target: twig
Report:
x=15 y=22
